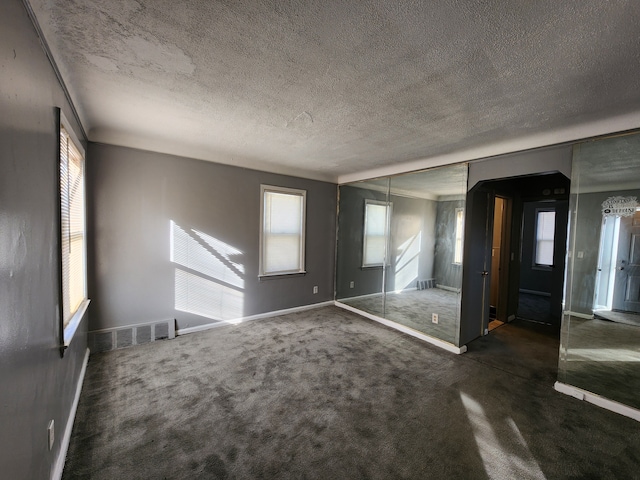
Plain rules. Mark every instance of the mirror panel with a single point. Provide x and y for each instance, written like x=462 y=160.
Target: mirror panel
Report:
x=363 y=224
x=422 y=272
x=600 y=344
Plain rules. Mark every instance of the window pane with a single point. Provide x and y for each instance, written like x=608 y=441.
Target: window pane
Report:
x=72 y=226
x=457 y=256
x=283 y=232
x=374 y=234
x=545 y=230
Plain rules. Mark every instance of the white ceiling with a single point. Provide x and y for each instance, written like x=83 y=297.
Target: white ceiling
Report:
x=331 y=89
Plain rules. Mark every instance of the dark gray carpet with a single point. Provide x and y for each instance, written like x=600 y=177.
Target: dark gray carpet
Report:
x=534 y=307
x=326 y=394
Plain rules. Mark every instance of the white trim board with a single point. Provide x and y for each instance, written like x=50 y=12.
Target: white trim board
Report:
x=237 y=321
x=66 y=437
x=601 y=402
x=449 y=347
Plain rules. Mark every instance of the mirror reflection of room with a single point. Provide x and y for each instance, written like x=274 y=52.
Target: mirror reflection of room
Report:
x=400 y=249
x=600 y=347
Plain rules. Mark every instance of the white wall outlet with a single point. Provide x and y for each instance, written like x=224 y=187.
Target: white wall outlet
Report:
x=434 y=317
x=580 y=254
x=315 y=289
x=352 y=284
x=51 y=433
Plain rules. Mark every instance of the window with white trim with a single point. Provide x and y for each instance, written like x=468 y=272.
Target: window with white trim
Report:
x=457 y=253
x=545 y=233
x=72 y=227
x=377 y=216
x=282 y=230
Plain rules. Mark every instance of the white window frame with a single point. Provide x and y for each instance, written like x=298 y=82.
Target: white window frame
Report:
x=458 y=239
x=264 y=189
x=536 y=240
x=389 y=206
x=69 y=322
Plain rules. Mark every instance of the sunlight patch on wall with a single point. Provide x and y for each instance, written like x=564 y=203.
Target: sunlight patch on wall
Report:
x=210 y=280
x=207 y=255
x=198 y=295
x=407 y=262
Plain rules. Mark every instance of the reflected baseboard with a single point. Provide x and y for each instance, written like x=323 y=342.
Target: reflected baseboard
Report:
x=446 y=287
x=237 y=321
x=578 y=315
x=449 y=347
x=598 y=400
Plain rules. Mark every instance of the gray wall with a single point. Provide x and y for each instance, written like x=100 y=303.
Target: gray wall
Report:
x=134 y=197
x=37 y=384
x=350 y=232
x=446 y=272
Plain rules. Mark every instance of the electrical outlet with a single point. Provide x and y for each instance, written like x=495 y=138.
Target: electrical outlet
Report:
x=51 y=433
x=315 y=289
x=352 y=284
x=434 y=317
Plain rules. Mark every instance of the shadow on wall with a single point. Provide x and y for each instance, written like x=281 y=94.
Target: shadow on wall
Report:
x=209 y=275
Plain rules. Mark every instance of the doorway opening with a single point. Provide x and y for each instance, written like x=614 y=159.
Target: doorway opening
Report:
x=498 y=291
x=515 y=262
x=617 y=292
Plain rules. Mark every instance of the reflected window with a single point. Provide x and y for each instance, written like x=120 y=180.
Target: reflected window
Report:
x=282 y=231
x=545 y=231
x=457 y=255
x=376 y=220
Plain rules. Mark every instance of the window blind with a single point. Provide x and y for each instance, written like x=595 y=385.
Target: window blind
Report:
x=283 y=232
x=72 y=226
x=545 y=231
x=457 y=255
x=375 y=233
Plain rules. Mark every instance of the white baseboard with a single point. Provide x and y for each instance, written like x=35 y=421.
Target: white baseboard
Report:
x=449 y=347
x=66 y=437
x=578 y=315
x=448 y=288
x=236 y=321
x=601 y=402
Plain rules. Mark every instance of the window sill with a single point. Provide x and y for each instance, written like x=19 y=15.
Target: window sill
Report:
x=72 y=327
x=273 y=276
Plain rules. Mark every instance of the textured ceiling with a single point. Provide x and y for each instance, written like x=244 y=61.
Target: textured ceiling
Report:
x=324 y=89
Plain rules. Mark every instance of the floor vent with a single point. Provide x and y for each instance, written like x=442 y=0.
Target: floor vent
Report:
x=424 y=284
x=123 y=337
